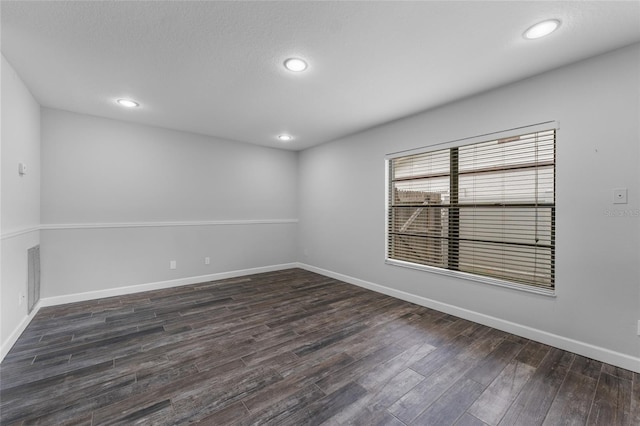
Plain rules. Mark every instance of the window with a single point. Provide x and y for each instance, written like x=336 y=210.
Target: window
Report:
x=485 y=208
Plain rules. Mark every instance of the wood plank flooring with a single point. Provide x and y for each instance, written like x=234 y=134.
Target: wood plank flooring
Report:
x=294 y=348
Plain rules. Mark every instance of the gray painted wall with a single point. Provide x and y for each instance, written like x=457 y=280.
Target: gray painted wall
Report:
x=139 y=181
x=342 y=193
x=20 y=195
x=120 y=200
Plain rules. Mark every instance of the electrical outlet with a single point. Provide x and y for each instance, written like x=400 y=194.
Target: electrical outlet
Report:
x=207 y=260
x=620 y=196
x=20 y=298
x=172 y=264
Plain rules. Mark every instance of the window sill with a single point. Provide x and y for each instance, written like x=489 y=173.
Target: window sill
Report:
x=472 y=277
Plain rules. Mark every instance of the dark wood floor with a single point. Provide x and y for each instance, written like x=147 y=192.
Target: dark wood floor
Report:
x=295 y=348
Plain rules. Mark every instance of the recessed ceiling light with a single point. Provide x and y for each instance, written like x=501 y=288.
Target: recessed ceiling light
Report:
x=128 y=103
x=542 y=29
x=285 y=138
x=295 y=64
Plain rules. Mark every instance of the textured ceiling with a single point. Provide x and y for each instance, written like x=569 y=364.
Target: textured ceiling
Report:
x=215 y=68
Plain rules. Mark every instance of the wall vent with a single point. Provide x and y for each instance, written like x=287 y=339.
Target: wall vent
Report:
x=33 y=288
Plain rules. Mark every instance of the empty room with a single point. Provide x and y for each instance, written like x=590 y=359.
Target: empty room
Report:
x=320 y=213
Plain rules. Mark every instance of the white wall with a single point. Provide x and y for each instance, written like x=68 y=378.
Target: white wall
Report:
x=120 y=200
x=20 y=205
x=597 y=303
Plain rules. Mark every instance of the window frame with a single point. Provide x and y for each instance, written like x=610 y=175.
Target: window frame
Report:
x=516 y=131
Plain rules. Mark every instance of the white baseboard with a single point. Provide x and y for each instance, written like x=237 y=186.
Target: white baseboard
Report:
x=13 y=337
x=585 y=349
x=595 y=352
x=120 y=291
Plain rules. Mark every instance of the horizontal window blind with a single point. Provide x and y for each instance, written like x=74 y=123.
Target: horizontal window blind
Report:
x=486 y=208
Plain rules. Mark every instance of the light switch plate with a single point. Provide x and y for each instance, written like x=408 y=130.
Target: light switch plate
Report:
x=620 y=196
